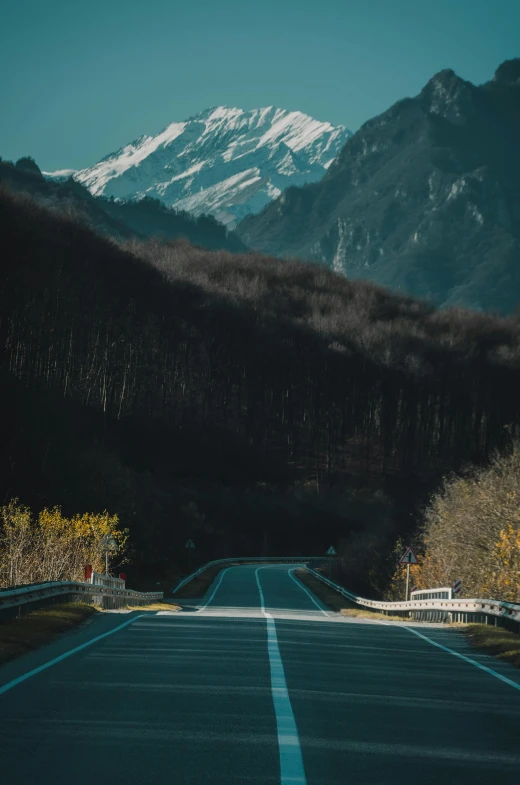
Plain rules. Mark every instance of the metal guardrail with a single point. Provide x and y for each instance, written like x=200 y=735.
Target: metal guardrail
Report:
x=249 y=560
x=43 y=593
x=459 y=610
x=439 y=593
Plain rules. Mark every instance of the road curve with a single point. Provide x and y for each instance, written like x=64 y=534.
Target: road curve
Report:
x=257 y=683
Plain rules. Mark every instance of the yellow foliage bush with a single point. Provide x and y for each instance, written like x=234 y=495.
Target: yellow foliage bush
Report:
x=504 y=580
x=53 y=547
x=471 y=532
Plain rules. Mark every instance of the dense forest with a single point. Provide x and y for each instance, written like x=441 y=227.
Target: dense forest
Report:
x=253 y=405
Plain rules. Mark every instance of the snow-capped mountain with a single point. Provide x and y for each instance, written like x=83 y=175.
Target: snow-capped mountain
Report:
x=224 y=161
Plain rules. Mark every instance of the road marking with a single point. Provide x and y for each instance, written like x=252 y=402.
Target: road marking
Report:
x=302 y=587
x=20 y=679
x=291 y=761
x=511 y=683
x=214 y=591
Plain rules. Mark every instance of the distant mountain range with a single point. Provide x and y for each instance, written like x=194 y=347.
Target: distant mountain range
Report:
x=224 y=161
x=424 y=198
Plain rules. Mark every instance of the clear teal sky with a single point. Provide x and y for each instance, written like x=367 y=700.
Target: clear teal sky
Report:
x=82 y=77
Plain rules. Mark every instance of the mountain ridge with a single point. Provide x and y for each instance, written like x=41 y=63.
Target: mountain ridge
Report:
x=224 y=161
x=423 y=198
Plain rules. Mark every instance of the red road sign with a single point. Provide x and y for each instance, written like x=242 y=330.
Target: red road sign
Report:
x=409 y=557
x=456 y=587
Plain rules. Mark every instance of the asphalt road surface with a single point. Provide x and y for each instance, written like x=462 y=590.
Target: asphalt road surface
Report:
x=258 y=683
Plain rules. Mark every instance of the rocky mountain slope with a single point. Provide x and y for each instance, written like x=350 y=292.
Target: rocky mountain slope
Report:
x=424 y=198
x=224 y=161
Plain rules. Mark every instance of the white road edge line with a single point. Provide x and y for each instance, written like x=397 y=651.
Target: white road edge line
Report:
x=29 y=674
x=292 y=771
x=214 y=591
x=302 y=587
x=491 y=672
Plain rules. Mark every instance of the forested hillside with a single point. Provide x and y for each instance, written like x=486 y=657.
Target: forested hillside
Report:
x=250 y=404
x=144 y=218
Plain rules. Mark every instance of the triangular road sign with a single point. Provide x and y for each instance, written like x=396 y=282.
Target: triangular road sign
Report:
x=190 y=544
x=409 y=557
x=331 y=551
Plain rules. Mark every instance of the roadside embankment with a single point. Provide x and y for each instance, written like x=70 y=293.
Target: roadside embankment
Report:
x=198 y=586
x=18 y=636
x=497 y=641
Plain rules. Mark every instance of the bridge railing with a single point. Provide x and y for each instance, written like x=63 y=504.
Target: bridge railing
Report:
x=20 y=599
x=100 y=579
x=505 y=614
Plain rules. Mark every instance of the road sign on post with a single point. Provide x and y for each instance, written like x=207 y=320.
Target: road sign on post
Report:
x=330 y=553
x=110 y=545
x=190 y=545
x=456 y=587
x=408 y=558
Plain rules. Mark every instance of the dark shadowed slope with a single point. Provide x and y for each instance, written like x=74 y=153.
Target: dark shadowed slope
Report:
x=232 y=398
x=119 y=220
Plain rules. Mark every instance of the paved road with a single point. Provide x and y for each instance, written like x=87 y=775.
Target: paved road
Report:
x=259 y=685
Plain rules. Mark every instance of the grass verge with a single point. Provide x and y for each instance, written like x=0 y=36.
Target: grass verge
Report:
x=337 y=602
x=497 y=641
x=18 y=636
x=155 y=606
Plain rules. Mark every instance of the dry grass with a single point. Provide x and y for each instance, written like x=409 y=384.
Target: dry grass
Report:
x=155 y=606
x=495 y=640
x=18 y=636
x=361 y=613
x=337 y=602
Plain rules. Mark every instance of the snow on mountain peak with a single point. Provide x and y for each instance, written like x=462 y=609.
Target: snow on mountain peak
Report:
x=224 y=161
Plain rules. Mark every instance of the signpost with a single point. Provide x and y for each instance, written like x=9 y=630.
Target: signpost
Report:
x=408 y=558
x=110 y=545
x=456 y=587
x=190 y=545
x=331 y=552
